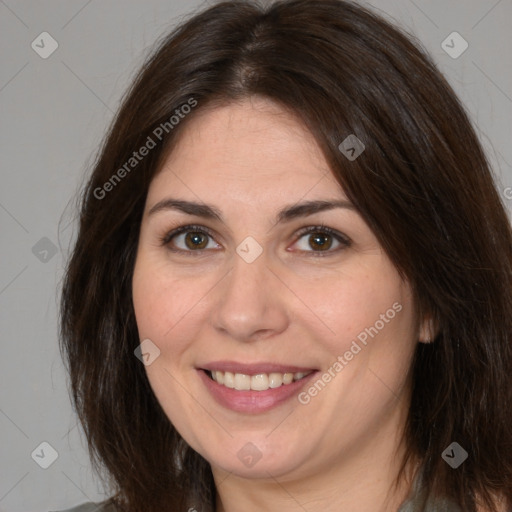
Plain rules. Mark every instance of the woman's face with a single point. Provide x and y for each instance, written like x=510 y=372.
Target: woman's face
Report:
x=254 y=295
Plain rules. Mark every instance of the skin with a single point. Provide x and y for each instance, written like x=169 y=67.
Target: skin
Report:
x=342 y=450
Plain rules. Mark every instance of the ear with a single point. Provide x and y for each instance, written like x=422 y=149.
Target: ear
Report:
x=428 y=330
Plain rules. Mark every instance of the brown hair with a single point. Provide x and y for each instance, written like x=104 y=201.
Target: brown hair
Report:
x=423 y=186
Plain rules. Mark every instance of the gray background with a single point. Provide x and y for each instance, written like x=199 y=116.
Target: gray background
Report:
x=54 y=113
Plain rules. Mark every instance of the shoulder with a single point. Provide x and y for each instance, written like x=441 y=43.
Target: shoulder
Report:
x=418 y=500
x=90 y=507
x=418 y=503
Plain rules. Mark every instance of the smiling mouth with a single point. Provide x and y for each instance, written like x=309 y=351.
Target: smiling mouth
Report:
x=258 y=382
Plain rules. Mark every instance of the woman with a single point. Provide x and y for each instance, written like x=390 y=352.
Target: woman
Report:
x=291 y=286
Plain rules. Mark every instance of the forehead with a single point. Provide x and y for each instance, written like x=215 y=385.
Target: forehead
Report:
x=253 y=147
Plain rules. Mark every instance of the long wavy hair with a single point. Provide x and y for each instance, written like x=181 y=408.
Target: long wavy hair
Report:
x=423 y=186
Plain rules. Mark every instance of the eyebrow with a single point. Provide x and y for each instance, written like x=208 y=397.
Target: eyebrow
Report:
x=287 y=214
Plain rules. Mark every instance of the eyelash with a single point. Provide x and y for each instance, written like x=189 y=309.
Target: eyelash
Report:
x=344 y=241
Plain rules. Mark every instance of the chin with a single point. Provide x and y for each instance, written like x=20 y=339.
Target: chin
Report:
x=258 y=457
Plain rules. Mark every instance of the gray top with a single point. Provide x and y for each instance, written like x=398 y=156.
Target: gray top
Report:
x=409 y=506
x=417 y=498
x=412 y=504
x=90 y=507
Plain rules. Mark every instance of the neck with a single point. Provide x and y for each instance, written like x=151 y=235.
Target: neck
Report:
x=364 y=479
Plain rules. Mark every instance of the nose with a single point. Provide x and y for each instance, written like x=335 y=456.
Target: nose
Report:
x=250 y=302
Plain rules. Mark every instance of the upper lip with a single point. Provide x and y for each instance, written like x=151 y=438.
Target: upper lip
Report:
x=254 y=368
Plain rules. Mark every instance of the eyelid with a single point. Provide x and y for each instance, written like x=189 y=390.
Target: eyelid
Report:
x=169 y=235
x=340 y=237
x=325 y=229
x=344 y=241
x=165 y=240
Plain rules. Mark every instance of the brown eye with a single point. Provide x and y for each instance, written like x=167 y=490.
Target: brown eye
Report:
x=196 y=240
x=189 y=240
x=320 y=239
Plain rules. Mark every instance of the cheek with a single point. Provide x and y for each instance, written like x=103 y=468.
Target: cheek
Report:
x=360 y=303
x=164 y=314
x=373 y=319
x=153 y=307
x=170 y=310
x=160 y=300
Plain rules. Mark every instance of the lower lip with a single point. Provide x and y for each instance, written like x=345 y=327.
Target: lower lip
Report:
x=252 y=401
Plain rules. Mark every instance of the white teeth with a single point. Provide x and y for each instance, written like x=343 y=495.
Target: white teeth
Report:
x=260 y=382
x=229 y=379
x=242 y=382
x=287 y=378
x=275 y=380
